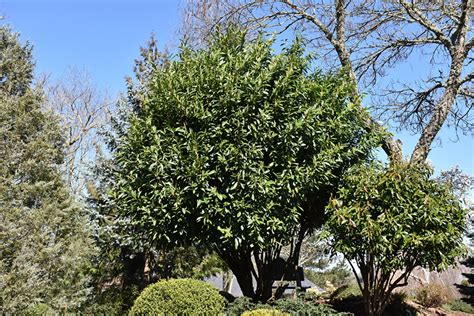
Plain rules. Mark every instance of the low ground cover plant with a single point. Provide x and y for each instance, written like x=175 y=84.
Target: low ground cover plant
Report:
x=459 y=305
x=265 y=312
x=288 y=306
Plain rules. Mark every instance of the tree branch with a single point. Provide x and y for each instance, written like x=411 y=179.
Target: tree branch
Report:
x=419 y=17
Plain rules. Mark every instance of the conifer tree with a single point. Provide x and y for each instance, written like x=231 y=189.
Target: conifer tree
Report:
x=44 y=243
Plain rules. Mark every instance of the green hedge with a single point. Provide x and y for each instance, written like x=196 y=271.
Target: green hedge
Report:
x=179 y=297
x=295 y=307
x=264 y=312
x=39 y=309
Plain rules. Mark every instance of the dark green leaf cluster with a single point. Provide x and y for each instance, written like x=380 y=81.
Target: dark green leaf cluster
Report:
x=291 y=306
x=179 y=297
x=298 y=307
x=123 y=255
x=236 y=145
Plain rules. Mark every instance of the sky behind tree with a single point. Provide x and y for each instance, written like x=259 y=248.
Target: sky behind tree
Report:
x=103 y=38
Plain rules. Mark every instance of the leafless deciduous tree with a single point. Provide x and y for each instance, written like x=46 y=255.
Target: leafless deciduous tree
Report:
x=83 y=109
x=369 y=39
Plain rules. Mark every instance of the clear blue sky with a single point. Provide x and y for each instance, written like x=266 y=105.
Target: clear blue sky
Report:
x=104 y=36
x=101 y=36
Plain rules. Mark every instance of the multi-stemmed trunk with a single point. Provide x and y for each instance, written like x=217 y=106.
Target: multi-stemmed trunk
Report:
x=378 y=284
x=253 y=269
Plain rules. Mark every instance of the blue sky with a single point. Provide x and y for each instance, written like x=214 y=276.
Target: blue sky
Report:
x=103 y=37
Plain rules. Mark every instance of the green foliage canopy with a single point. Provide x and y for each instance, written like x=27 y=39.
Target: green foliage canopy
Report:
x=394 y=218
x=16 y=63
x=121 y=257
x=237 y=147
x=45 y=246
x=231 y=141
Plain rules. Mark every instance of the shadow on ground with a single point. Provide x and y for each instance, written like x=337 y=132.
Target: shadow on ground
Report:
x=354 y=304
x=467 y=287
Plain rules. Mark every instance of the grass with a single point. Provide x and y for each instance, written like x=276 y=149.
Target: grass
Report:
x=460 y=306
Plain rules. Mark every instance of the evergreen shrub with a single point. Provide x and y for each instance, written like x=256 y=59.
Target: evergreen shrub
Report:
x=179 y=297
x=264 y=312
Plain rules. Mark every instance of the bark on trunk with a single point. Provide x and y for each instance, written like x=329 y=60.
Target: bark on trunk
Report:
x=292 y=262
x=134 y=267
x=244 y=278
x=390 y=146
x=240 y=264
x=458 y=51
x=423 y=147
x=255 y=278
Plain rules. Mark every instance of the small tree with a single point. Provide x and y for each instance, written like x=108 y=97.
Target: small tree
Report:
x=388 y=220
x=239 y=149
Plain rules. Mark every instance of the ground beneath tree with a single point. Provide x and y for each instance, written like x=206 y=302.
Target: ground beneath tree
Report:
x=423 y=311
x=354 y=305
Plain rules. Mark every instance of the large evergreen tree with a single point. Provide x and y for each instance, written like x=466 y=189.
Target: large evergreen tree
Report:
x=126 y=265
x=44 y=243
x=237 y=148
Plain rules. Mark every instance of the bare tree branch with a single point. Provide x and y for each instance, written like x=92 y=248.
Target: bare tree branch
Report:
x=419 y=17
x=83 y=110
x=369 y=38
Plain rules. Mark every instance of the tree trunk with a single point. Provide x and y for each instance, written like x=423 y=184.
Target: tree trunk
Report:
x=257 y=286
x=458 y=51
x=244 y=278
x=292 y=262
x=239 y=262
x=267 y=282
x=372 y=303
x=423 y=147
x=134 y=267
x=390 y=146
x=256 y=279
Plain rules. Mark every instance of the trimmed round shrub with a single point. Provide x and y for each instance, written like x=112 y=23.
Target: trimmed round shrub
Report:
x=179 y=297
x=264 y=312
